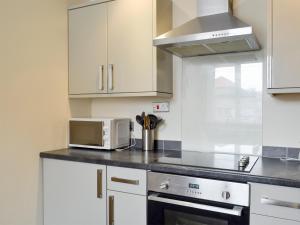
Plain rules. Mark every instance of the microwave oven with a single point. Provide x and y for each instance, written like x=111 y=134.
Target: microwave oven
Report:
x=100 y=133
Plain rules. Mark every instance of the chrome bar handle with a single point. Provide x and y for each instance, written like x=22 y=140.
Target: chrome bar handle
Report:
x=110 y=76
x=125 y=181
x=103 y=134
x=99 y=184
x=111 y=213
x=100 y=78
x=273 y=202
x=236 y=211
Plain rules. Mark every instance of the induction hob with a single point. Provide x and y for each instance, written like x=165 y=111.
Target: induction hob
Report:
x=219 y=161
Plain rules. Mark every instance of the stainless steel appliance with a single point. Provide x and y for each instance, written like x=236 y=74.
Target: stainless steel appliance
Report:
x=100 y=133
x=182 y=200
x=215 y=31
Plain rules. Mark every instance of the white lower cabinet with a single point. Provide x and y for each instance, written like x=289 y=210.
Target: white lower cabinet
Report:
x=126 y=209
x=74 y=193
x=274 y=205
x=265 y=220
x=126 y=196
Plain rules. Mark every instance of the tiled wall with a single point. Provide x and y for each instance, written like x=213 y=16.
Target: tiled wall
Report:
x=280 y=152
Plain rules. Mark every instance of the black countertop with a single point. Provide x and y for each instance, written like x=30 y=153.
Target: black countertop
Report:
x=266 y=170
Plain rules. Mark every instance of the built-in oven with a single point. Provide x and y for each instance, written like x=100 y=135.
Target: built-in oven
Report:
x=181 y=200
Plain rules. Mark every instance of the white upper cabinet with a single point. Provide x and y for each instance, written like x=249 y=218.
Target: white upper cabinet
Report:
x=111 y=49
x=284 y=48
x=130 y=50
x=88 y=50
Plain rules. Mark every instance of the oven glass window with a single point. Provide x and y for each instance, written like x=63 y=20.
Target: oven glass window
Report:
x=180 y=218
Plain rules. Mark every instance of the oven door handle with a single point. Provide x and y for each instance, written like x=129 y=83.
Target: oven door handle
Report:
x=236 y=211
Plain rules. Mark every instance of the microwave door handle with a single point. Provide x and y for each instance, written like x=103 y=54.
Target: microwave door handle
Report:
x=236 y=211
x=102 y=134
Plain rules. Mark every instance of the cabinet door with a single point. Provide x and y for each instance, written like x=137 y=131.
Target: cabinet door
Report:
x=130 y=51
x=285 y=72
x=74 y=193
x=264 y=220
x=88 y=49
x=126 y=209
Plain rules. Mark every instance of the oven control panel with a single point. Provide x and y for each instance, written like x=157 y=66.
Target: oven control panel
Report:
x=193 y=190
x=206 y=189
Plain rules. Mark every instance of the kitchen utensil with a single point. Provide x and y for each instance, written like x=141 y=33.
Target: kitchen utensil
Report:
x=147 y=123
x=154 y=121
x=139 y=120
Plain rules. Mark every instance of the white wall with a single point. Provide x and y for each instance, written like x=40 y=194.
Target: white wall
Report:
x=34 y=101
x=280 y=122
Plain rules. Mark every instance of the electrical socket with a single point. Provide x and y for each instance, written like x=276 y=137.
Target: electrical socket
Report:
x=160 y=107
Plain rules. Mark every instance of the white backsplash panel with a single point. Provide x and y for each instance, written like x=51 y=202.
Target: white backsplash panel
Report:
x=222 y=103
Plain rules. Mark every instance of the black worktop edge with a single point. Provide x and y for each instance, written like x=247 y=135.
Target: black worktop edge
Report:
x=95 y=161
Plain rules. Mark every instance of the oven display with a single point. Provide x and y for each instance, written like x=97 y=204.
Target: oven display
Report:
x=194 y=186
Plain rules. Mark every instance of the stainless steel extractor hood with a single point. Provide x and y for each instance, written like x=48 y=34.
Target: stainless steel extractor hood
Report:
x=208 y=35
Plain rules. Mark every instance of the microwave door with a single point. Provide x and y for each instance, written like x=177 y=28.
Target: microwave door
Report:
x=85 y=133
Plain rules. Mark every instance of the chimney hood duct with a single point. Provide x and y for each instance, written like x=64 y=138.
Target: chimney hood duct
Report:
x=209 y=35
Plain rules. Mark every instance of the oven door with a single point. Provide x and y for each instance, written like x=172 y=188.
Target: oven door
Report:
x=173 y=210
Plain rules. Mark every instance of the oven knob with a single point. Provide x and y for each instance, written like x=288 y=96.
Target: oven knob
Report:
x=226 y=195
x=164 y=186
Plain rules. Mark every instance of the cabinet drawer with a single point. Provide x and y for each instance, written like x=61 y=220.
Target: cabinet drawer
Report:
x=127 y=180
x=275 y=201
x=265 y=220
